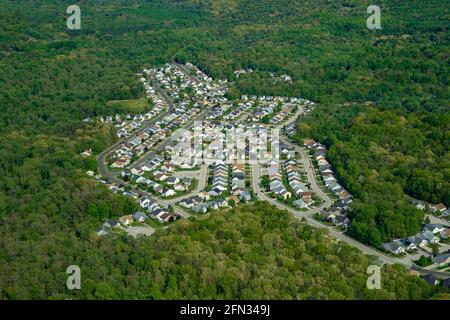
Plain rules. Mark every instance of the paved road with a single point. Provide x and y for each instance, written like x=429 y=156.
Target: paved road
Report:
x=134 y=231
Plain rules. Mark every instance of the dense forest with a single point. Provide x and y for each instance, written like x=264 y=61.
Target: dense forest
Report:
x=252 y=252
x=393 y=140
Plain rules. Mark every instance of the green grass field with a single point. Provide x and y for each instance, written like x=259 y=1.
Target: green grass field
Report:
x=133 y=106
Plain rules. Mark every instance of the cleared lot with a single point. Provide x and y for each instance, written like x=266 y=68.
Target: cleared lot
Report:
x=145 y=230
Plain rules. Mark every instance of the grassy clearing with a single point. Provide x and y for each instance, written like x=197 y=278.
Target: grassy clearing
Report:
x=132 y=106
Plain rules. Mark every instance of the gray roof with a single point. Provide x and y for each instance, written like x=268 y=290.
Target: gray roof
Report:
x=430 y=279
x=393 y=246
x=428 y=235
x=139 y=215
x=432 y=226
x=442 y=258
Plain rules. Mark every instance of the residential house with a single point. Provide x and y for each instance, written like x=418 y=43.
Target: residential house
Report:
x=200 y=208
x=113 y=223
x=101 y=231
x=188 y=203
x=307 y=197
x=434 y=228
x=172 y=180
x=126 y=220
x=415 y=242
x=430 y=237
x=179 y=187
x=430 y=279
x=168 y=192
x=186 y=181
x=300 y=204
x=440 y=207
x=442 y=259
x=140 y=216
x=409 y=245
x=245 y=196
x=284 y=194
x=144 y=202
x=222 y=203
x=164 y=216
x=342 y=221
x=419 y=204
x=395 y=247
x=204 y=195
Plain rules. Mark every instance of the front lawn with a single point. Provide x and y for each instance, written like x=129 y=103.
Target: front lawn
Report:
x=423 y=261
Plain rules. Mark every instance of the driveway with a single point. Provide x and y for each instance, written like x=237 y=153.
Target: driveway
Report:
x=134 y=231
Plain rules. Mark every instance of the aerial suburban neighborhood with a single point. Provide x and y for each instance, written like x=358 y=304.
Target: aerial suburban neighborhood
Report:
x=176 y=160
x=231 y=158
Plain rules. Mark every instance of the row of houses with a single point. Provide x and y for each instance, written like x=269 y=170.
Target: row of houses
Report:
x=127 y=128
x=218 y=110
x=281 y=99
x=161 y=215
x=219 y=85
x=264 y=110
x=432 y=280
x=431 y=234
x=129 y=123
x=163 y=181
x=137 y=146
x=239 y=110
x=203 y=203
x=438 y=208
x=337 y=214
x=175 y=80
x=151 y=136
x=220 y=179
x=279 y=108
x=181 y=115
x=285 y=112
x=238 y=178
x=278 y=111
x=276 y=185
x=326 y=171
x=121 y=160
x=294 y=180
x=209 y=143
x=156 y=211
x=291 y=129
x=123 y=221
